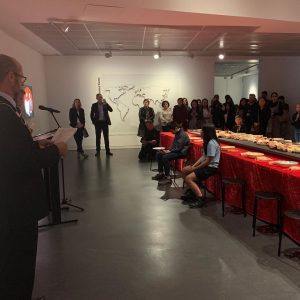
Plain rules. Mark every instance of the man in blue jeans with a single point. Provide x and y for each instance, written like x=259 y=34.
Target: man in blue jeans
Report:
x=178 y=149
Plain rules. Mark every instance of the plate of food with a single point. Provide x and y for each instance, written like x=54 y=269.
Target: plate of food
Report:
x=286 y=163
x=158 y=148
x=227 y=147
x=263 y=158
x=252 y=154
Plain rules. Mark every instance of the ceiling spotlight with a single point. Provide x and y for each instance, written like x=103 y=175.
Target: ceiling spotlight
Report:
x=221 y=56
x=108 y=54
x=156 y=55
x=254 y=46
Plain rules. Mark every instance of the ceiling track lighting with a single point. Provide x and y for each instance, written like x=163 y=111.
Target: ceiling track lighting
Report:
x=156 y=55
x=108 y=54
x=65 y=28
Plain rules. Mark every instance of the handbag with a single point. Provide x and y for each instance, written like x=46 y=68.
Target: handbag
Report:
x=85 y=133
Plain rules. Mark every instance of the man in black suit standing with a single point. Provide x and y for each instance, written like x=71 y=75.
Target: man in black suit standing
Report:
x=22 y=195
x=101 y=120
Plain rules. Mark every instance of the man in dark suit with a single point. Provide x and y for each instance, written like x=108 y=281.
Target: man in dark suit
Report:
x=22 y=194
x=101 y=120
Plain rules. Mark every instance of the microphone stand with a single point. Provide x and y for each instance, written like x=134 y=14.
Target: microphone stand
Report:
x=65 y=200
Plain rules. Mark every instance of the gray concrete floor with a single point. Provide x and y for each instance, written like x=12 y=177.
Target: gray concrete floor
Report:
x=130 y=243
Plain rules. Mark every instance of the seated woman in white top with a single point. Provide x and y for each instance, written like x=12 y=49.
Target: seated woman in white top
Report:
x=206 y=166
x=165 y=116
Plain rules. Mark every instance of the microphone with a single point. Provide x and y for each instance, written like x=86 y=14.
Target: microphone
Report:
x=51 y=110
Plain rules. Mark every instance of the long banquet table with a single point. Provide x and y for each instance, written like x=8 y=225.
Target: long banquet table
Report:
x=258 y=175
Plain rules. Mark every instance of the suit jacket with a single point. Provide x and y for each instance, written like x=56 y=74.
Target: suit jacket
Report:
x=95 y=113
x=22 y=194
x=73 y=114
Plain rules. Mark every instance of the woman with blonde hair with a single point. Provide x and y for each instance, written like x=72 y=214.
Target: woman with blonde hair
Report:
x=77 y=120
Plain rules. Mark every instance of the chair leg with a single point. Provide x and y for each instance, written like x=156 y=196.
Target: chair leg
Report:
x=254 y=216
x=280 y=226
x=244 y=200
x=173 y=170
x=223 y=199
x=280 y=239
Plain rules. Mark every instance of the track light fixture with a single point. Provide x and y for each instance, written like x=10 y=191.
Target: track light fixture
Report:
x=156 y=55
x=108 y=54
x=65 y=28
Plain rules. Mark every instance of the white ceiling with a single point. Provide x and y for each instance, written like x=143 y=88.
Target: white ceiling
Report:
x=138 y=27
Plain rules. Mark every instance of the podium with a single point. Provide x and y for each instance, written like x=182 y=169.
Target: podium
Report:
x=51 y=181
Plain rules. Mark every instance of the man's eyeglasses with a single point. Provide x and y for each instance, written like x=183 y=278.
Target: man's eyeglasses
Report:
x=21 y=76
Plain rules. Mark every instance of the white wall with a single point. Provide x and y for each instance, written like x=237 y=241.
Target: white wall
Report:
x=77 y=76
x=281 y=74
x=250 y=85
x=228 y=86
x=34 y=69
x=237 y=87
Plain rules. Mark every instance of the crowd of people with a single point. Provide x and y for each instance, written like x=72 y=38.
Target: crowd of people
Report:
x=268 y=117
x=264 y=116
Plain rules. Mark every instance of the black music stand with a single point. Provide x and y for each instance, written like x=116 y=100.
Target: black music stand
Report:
x=65 y=200
x=51 y=179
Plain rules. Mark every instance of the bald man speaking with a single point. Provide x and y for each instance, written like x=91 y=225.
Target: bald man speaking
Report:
x=22 y=194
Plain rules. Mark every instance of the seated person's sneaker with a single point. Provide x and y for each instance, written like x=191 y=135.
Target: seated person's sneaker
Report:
x=199 y=203
x=158 y=176
x=165 y=181
x=188 y=195
x=188 y=201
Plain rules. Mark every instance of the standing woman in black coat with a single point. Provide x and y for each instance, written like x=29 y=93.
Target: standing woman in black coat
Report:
x=77 y=120
x=146 y=113
x=264 y=114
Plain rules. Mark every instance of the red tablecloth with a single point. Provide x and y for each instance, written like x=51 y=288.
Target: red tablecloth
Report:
x=259 y=176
